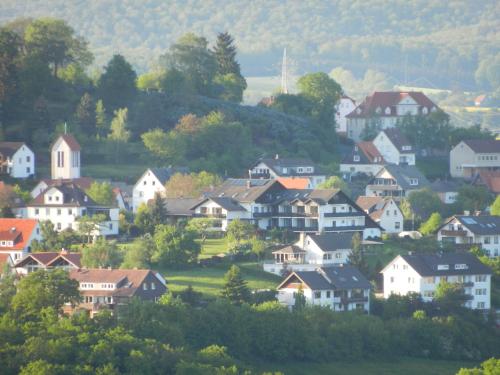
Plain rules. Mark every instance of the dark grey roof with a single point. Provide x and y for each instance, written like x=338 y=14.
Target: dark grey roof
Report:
x=180 y=206
x=403 y=173
x=333 y=241
x=483 y=145
x=483 y=224
x=334 y=277
x=72 y=195
x=164 y=174
x=444 y=186
x=244 y=190
x=446 y=264
x=228 y=203
x=8 y=149
x=277 y=165
x=398 y=139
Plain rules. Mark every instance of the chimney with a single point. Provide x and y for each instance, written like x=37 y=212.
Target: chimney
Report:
x=64 y=251
x=276 y=156
x=466 y=213
x=13 y=229
x=249 y=184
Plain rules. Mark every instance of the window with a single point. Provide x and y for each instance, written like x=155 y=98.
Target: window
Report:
x=356 y=158
x=487 y=240
x=395 y=212
x=317 y=294
x=153 y=286
x=480 y=278
x=338 y=255
x=58 y=211
x=413 y=181
x=145 y=286
x=59 y=226
x=141 y=194
x=37 y=211
x=110 y=226
x=57 y=198
x=328 y=294
x=144 y=183
x=28 y=170
x=428 y=293
x=50 y=198
x=28 y=159
x=481 y=292
x=70 y=211
x=480 y=305
x=387 y=213
x=392 y=279
x=153 y=183
x=397 y=225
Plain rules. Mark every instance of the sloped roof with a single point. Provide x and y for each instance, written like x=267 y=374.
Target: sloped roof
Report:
x=291 y=164
x=388 y=99
x=180 y=206
x=398 y=139
x=8 y=149
x=491 y=179
x=70 y=141
x=19 y=229
x=164 y=174
x=428 y=264
x=82 y=182
x=294 y=182
x=483 y=145
x=43 y=258
x=333 y=241
x=227 y=203
x=367 y=203
x=367 y=153
x=73 y=195
x=403 y=173
x=244 y=190
x=445 y=186
x=482 y=224
x=290 y=249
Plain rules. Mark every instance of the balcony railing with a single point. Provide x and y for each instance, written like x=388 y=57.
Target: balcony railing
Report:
x=283 y=214
x=346 y=300
x=210 y=215
x=455 y=233
x=342 y=214
x=468 y=284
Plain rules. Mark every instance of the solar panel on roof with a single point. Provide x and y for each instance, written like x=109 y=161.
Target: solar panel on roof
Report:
x=469 y=220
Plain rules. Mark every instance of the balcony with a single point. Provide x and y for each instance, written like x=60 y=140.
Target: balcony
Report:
x=454 y=233
x=344 y=228
x=468 y=284
x=342 y=214
x=283 y=214
x=210 y=215
x=358 y=299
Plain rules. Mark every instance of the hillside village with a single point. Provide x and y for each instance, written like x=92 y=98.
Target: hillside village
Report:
x=358 y=219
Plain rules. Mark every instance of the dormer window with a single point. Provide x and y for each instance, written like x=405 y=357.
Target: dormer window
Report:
x=378 y=110
x=424 y=110
x=413 y=181
x=387 y=111
x=356 y=157
x=358 y=111
x=406 y=148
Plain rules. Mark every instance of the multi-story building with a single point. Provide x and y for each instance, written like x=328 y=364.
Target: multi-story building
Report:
x=364 y=159
x=422 y=273
x=48 y=260
x=383 y=109
x=16 y=160
x=384 y=211
x=65 y=203
x=396 y=181
x=482 y=230
x=345 y=106
x=394 y=147
x=469 y=157
x=16 y=236
x=108 y=288
x=268 y=204
x=287 y=167
x=341 y=288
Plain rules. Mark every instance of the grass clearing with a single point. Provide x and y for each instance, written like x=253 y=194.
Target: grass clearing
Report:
x=404 y=366
x=213 y=246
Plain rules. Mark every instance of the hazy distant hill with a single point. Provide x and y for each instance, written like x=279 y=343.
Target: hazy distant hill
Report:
x=438 y=41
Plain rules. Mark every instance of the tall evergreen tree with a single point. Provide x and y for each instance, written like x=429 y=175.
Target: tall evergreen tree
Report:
x=158 y=210
x=225 y=55
x=117 y=84
x=235 y=287
x=357 y=258
x=101 y=122
x=85 y=116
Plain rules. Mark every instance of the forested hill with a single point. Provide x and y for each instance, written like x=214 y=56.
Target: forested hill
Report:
x=447 y=44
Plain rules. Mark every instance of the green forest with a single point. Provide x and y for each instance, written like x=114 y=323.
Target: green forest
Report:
x=426 y=42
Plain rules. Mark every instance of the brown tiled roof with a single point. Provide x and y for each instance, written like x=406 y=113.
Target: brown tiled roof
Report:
x=367 y=203
x=388 y=99
x=484 y=145
x=7 y=149
x=70 y=140
x=4 y=259
x=491 y=179
x=371 y=152
x=23 y=231
x=134 y=277
x=291 y=249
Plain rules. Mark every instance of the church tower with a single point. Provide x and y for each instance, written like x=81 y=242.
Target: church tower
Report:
x=65 y=158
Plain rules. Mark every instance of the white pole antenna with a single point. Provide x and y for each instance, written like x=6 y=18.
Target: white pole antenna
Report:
x=284 y=76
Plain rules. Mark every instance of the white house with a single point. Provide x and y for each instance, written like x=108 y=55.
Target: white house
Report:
x=396 y=181
x=472 y=156
x=394 y=147
x=345 y=106
x=482 y=230
x=341 y=288
x=312 y=251
x=64 y=204
x=385 y=108
x=16 y=236
x=152 y=182
x=422 y=273
x=65 y=157
x=447 y=190
x=16 y=160
x=384 y=211
x=364 y=159
x=268 y=168
x=268 y=204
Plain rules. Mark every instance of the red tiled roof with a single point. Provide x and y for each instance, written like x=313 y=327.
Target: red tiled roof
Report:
x=23 y=231
x=4 y=259
x=371 y=152
x=491 y=179
x=136 y=277
x=294 y=183
x=70 y=140
x=389 y=99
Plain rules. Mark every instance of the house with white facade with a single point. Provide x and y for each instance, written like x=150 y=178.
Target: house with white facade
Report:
x=16 y=236
x=48 y=260
x=469 y=157
x=363 y=159
x=447 y=190
x=65 y=157
x=395 y=148
x=311 y=251
x=17 y=160
x=481 y=230
x=65 y=203
x=345 y=106
x=268 y=204
x=341 y=288
x=384 y=109
x=422 y=273
x=268 y=168
x=152 y=182
x=396 y=181
x=384 y=211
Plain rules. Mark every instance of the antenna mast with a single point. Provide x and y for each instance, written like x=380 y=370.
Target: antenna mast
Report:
x=284 y=77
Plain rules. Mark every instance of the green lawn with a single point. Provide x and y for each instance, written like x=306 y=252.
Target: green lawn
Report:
x=209 y=280
x=121 y=172
x=405 y=366
x=213 y=246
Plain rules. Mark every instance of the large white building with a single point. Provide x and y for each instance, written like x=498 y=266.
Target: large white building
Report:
x=152 y=182
x=384 y=211
x=64 y=204
x=482 y=230
x=394 y=147
x=470 y=157
x=345 y=106
x=16 y=160
x=65 y=157
x=340 y=288
x=268 y=204
x=268 y=168
x=422 y=273
x=385 y=108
